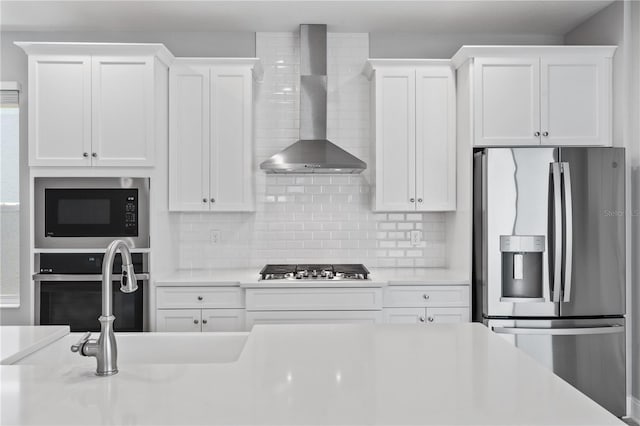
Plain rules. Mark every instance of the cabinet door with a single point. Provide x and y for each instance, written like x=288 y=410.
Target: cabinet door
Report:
x=178 y=320
x=435 y=139
x=395 y=135
x=59 y=110
x=223 y=320
x=404 y=315
x=507 y=101
x=122 y=111
x=447 y=315
x=189 y=138
x=231 y=173
x=575 y=101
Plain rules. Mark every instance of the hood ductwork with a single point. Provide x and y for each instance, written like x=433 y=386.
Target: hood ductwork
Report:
x=313 y=153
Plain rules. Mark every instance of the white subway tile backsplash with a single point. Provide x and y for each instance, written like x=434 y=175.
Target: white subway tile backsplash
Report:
x=304 y=218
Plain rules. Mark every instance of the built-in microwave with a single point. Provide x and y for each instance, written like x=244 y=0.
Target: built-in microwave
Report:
x=91 y=212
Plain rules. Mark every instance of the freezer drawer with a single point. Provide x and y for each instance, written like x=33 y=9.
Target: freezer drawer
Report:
x=588 y=353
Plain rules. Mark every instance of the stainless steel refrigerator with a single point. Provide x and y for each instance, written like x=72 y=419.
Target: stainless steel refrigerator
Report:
x=549 y=260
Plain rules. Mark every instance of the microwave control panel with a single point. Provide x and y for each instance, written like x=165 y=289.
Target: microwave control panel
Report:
x=131 y=215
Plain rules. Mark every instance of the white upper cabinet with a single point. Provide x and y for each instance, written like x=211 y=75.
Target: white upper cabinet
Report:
x=122 y=113
x=575 y=100
x=413 y=118
x=94 y=104
x=507 y=101
x=210 y=135
x=540 y=95
x=60 y=110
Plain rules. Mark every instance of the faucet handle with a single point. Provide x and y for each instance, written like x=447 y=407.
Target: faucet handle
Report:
x=80 y=343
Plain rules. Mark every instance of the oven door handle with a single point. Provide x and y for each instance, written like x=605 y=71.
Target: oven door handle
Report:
x=84 y=277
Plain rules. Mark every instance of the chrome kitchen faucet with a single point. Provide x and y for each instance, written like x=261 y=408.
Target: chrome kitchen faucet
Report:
x=104 y=349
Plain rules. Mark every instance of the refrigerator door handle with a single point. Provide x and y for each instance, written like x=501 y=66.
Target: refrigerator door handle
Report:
x=568 y=231
x=560 y=331
x=556 y=174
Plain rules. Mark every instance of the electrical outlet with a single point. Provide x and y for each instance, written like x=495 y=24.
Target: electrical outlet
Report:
x=416 y=237
x=215 y=236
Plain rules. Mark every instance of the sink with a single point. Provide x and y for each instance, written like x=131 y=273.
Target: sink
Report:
x=149 y=348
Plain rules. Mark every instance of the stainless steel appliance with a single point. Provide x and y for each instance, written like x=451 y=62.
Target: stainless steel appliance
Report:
x=91 y=212
x=313 y=153
x=549 y=260
x=69 y=292
x=314 y=272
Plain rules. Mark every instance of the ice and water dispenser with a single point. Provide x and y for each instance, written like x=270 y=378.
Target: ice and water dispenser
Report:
x=522 y=268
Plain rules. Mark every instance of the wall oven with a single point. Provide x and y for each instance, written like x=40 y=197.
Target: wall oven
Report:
x=91 y=212
x=69 y=292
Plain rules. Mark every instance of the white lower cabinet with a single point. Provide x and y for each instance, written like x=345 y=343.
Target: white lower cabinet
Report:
x=199 y=308
x=200 y=320
x=426 y=304
x=425 y=315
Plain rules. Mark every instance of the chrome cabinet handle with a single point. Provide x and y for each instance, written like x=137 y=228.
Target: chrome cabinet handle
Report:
x=94 y=154
x=412 y=200
x=421 y=318
x=204 y=321
x=419 y=200
x=213 y=200
x=425 y=296
x=199 y=297
x=85 y=154
x=430 y=319
x=545 y=133
x=536 y=134
x=77 y=347
x=196 y=321
x=204 y=200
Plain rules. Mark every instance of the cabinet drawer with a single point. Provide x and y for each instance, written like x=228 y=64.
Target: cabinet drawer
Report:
x=426 y=315
x=313 y=317
x=199 y=297
x=426 y=296
x=314 y=299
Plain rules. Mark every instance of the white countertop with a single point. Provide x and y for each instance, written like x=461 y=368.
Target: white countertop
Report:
x=314 y=374
x=16 y=342
x=379 y=277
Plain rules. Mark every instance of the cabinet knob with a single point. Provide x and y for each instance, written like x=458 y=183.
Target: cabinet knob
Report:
x=430 y=319
x=196 y=321
x=204 y=200
x=419 y=200
x=199 y=297
x=204 y=321
x=85 y=154
x=545 y=133
x=536 y=134
x=412 y=200
x=425 y=296
x=213 y=200
x=94 y=154
x=421 y=318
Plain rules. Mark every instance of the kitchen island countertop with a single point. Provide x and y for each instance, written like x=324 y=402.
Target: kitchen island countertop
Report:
x=16 y=342
x=314 y=374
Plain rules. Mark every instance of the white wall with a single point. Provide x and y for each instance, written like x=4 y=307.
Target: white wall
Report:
x=303 y=218
x=618 y=24
x=443 y=46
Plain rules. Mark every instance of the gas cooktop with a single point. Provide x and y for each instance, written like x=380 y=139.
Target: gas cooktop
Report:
x=314 y=272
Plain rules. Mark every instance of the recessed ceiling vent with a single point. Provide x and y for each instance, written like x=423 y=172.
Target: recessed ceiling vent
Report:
x=313 y=153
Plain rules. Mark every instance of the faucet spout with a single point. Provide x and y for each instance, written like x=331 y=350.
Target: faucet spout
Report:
x=104 y=349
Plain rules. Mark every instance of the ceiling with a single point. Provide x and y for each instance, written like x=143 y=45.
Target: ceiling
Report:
x=435 y=16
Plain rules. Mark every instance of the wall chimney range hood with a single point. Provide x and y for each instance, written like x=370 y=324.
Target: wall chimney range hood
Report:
x=313 y=153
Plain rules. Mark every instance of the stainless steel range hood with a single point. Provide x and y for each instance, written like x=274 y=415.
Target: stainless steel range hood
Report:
x=313 y=153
